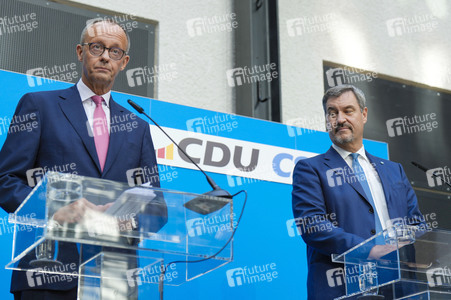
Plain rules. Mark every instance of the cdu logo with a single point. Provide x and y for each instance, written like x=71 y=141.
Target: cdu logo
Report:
x=166 y=152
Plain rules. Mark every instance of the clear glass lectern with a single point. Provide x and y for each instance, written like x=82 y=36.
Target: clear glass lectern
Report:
x=116 y=239
x=413 y=264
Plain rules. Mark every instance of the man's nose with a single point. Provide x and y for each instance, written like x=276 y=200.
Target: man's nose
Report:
x=105 y=55
x=341 y=118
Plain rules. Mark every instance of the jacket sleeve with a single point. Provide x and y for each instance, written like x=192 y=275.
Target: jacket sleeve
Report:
x=18 y=154
x=315 y=225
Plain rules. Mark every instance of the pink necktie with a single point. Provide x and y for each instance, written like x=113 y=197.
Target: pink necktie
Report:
x=100 y=129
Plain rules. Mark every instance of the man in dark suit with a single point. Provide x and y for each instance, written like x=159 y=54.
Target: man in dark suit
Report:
x=346 y=195
x=81 y=127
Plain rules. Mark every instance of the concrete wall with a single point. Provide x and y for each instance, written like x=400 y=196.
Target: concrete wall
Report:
x=201 y=60
x=362 y=34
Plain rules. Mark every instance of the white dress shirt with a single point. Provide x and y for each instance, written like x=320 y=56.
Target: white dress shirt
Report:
x=374 y=182
x=90 y=106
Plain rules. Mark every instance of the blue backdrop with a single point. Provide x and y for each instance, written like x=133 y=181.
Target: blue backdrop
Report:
x=263 y=243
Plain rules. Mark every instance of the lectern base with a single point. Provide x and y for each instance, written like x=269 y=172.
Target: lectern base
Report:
x=46 y=263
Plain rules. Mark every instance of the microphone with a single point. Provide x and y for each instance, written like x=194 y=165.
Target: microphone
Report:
x=426 y=169
x=419 y=166
x=200 y=205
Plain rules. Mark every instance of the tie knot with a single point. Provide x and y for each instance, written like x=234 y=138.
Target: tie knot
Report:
x=97 y=99
x=354 y=156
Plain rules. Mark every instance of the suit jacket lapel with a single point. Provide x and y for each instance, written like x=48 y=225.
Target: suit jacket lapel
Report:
x=72 y=108
x=118 y=134
x=334 y=161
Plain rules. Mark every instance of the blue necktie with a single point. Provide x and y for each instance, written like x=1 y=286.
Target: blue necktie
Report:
x=360 y=174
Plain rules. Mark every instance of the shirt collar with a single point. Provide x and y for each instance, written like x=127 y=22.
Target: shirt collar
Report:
x=344 y=153
x=86 y=93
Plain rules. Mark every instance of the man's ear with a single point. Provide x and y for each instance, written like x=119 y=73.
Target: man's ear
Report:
x=125 y=62
x=79 y=51
x=365 y=114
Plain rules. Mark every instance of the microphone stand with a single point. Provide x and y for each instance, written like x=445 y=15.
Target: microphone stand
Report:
x=426 y=170
x=200 y=205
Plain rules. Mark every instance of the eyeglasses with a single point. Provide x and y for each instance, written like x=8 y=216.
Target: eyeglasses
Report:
x=97 y=49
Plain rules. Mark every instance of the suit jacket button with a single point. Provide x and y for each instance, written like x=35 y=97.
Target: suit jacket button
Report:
x=373 y=232
x=371 y=211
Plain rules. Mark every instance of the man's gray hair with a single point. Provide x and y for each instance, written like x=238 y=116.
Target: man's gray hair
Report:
x=91 y=22
x=338 y=90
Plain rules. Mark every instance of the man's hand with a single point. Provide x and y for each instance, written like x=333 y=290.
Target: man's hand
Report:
x=380 y=250
x=75 y=211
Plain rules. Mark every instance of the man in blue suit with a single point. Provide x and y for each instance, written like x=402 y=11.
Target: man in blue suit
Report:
x=81 y=127
x=346 y=195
